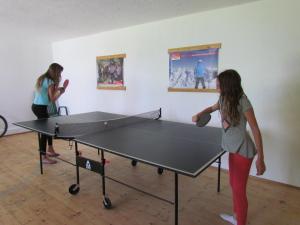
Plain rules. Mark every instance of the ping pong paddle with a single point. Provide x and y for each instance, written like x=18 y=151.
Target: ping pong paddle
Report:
x=66 y=83
x=203 y=120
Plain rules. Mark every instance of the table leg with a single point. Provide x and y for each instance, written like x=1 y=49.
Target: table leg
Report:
x=176 y=198
x=103 y=175
x=219 y=173
x=106 y=201
x=77 y=167
x=75 y=188
x=41 y=160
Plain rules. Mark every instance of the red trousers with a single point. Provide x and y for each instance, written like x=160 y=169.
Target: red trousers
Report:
x=239 y=168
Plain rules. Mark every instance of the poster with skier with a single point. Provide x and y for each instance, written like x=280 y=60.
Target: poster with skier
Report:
x=194 y=68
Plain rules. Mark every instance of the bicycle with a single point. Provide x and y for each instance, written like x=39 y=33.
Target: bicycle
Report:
x=3 y=126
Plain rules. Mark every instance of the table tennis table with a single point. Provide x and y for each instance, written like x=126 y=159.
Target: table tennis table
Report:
x=181 y=148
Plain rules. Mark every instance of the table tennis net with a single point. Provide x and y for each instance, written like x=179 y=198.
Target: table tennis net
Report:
x=73 y=130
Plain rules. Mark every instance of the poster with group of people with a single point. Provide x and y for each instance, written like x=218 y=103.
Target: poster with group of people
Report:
x=110 y=72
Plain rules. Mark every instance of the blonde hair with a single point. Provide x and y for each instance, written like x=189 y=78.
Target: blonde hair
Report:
x=53 y=73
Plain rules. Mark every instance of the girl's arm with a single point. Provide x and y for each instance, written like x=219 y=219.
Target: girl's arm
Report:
x=210 y=109
x=54 y=92
x=260 y=164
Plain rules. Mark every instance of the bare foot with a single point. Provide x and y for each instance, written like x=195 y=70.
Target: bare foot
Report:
x=51 y=152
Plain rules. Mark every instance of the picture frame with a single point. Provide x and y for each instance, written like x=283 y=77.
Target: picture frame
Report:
x=110 y=70
x=194 y=68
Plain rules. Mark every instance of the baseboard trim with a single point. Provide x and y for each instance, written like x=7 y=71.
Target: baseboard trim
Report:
x=262 y=179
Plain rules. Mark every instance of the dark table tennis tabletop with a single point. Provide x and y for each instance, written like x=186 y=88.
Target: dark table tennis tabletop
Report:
x=47 y=126
x=179 y=147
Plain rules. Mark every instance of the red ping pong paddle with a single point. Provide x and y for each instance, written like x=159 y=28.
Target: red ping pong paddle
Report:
x=66 y=83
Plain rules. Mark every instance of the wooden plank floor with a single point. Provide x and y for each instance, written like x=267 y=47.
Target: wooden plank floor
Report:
x=26 y=197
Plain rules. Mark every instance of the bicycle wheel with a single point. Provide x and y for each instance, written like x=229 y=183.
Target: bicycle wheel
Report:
x=3 y=126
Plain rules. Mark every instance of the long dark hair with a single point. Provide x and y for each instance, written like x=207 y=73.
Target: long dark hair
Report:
x=230 y=93
x=53 y=73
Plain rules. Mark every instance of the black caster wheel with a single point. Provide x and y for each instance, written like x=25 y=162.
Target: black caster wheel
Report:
x=133 y=162
x=160 y=170
x=74 y=189
x=107 y=203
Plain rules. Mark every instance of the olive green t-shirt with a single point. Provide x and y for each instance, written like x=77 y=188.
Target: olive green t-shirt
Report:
x=236 y=139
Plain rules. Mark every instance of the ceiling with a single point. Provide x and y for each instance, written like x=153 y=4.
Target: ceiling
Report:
x=64 y=19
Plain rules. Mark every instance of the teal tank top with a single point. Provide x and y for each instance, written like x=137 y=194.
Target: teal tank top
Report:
x=41 y=95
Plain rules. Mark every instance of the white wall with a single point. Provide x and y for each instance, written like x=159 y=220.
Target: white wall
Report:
x=23 y=57
x=260 y=40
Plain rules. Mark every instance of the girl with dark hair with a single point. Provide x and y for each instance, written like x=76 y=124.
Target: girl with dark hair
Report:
x=236 y=110
x=47 y=90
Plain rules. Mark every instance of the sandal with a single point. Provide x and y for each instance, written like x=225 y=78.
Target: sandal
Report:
x=52 y=154
x=48 y=161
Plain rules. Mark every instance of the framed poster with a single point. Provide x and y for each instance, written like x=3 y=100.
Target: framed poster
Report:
x=194 y=69
x=110 y=72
